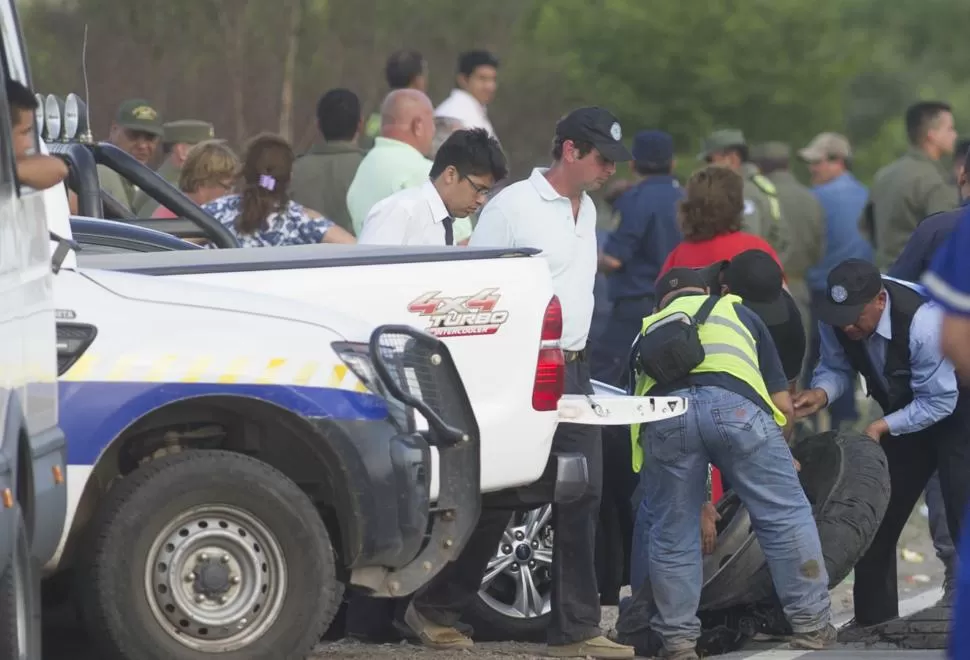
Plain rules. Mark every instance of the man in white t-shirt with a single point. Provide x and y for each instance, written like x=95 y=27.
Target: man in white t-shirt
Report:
x=552 y=211
x=465 y=168
x=477 y=80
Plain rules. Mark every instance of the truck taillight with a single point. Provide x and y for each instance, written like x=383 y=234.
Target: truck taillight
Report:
x=550 y=377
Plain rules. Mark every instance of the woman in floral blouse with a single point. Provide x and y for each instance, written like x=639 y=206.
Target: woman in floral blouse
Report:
x=262 y=214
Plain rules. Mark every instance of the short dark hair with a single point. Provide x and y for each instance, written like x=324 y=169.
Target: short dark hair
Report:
x=582 y=146
x=403 y=67
x=19 y=97
x=471 y=151
x=338 y=114
x=472 y=59
x=920 y=117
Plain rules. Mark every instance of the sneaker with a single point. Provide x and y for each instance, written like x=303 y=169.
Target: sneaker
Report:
x=815 y=640
x=597 y=647
x=441 y=638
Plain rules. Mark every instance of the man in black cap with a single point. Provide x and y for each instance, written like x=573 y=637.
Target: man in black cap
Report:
x=552 y=211
x=885 y=330
x=756 y=278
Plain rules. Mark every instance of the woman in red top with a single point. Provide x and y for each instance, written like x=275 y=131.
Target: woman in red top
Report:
x=710 y=220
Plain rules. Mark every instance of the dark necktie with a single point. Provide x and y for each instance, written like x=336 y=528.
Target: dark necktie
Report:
x=449 y=230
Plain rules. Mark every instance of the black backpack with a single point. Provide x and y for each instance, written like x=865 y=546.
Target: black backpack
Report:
x=670 y=348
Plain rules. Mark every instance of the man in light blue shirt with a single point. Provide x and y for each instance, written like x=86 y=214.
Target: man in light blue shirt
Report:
x=885 y=330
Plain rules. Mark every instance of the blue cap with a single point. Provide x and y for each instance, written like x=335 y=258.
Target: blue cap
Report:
x=653 y=148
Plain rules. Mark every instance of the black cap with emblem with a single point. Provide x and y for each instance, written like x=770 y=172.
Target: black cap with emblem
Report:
x=850 y=286
x=597 y=126
x=676 y=279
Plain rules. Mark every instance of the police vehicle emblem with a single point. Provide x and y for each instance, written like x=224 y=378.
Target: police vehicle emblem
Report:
x=615 y=131
x=839 y=294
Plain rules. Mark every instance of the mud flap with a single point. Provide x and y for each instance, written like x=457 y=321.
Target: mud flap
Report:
x=417 y=369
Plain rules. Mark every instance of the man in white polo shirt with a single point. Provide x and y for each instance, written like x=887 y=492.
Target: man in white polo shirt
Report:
x=552 y=211
x=465 y=168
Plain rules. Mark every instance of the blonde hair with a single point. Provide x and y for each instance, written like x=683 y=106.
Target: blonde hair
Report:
x=207 y=163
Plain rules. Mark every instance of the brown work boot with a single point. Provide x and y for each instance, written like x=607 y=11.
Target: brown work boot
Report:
x=597 y=647
x=442 y=638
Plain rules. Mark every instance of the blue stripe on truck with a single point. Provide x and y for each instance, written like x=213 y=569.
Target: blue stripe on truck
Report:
x=93 y=413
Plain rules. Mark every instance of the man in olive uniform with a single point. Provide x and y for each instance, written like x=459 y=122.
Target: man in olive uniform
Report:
x=136 y=129
x=179 y=138
x=804 y=218
x=762 y=213
x=913 y=187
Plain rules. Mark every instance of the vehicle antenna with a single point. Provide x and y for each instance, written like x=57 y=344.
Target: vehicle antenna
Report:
x=87 y=136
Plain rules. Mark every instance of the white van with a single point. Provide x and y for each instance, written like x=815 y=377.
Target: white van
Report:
x=33 y=494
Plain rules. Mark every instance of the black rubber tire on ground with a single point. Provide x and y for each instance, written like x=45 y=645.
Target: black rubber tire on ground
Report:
x=111 y=573
x=846 y=478
x=20 y=624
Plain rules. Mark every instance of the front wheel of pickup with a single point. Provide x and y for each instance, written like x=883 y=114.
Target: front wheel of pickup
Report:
x=207 y=552
x=20 y=600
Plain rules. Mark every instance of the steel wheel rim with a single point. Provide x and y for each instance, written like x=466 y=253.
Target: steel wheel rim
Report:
x=524 y=556
x=216 y=578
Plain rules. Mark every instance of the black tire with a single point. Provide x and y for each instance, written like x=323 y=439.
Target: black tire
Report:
x=20 y=624
x=846 y=479
x=141 y=518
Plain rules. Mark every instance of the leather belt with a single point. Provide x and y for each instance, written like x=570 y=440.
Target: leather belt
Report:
x=575 y=356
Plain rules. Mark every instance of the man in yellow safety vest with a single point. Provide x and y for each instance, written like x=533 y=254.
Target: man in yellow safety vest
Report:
x=719 y=356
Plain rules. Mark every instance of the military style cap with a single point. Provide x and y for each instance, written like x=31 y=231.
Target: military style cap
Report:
x=721 y=140
x=770 y=151
x=826 y=145
x=188 y=131
x=850 y=286
x=598 y=126
x=653 y=148
x=139 y=115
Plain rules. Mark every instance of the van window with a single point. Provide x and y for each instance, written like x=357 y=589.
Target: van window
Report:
x=7 y=169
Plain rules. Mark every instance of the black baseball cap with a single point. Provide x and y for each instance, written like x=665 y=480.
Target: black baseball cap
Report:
x=850 y=286
x=676 y=279
x=598 y=126
x=757 y=278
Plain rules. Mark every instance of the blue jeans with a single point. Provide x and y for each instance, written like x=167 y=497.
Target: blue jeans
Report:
x=746 y=444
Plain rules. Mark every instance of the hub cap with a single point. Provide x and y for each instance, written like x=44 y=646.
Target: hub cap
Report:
x=518 y=579
x=216 y=578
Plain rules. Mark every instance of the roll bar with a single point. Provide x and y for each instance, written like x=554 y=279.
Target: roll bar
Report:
x=82 y=160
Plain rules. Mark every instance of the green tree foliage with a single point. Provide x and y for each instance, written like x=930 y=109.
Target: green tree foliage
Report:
x=778 y=69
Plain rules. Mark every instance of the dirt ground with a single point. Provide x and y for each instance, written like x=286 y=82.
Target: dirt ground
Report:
x=915 y=577
x=63 y=641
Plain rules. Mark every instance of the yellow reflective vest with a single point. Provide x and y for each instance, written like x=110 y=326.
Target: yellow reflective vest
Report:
x=729 y=348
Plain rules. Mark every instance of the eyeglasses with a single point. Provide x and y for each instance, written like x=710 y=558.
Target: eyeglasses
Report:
x=479 y=189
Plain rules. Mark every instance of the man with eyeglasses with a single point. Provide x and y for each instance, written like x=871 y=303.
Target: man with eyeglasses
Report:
x=465 y=168
x=137 y=130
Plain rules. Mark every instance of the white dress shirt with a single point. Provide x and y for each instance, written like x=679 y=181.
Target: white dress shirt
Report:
x=465 y=108
x=409 y=217
x=531 y=214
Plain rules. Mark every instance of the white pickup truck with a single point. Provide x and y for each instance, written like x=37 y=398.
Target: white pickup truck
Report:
x=209 y=351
